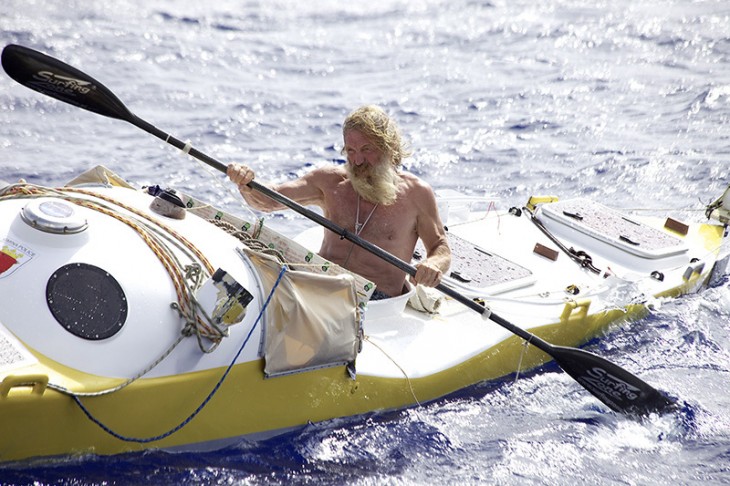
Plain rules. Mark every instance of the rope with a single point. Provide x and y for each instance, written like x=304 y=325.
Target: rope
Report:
x=209 y=268
x=250 y=241
x=186 y=280
x=580 y=257
x=525 y=345
x=131 y=380
x=408 y=380
x=207 y=399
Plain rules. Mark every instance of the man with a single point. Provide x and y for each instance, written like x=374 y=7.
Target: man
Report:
x=371 y=197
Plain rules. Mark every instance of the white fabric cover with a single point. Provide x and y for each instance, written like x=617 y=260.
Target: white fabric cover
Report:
x=312 y=320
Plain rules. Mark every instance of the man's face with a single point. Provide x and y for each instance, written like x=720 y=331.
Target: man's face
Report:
x=371 y=173
x=361 y=152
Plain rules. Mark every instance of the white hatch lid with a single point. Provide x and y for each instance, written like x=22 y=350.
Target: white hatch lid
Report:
x=53 y=216
x=611 y=227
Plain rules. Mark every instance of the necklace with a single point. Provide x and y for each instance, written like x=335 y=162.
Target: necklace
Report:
x=359 y=227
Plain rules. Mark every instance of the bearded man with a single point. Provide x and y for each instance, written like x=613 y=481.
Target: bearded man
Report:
x=371 y=197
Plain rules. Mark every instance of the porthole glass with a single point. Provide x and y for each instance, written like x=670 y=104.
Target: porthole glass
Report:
x=87 y=301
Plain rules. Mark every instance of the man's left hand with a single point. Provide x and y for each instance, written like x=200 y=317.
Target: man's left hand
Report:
x=427 y=274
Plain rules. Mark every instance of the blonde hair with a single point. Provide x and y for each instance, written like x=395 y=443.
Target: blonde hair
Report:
x=377 y=126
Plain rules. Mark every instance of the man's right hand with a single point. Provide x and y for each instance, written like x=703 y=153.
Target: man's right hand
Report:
x=241 y=175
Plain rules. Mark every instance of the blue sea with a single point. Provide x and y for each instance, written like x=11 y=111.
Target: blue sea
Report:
x=625 y=102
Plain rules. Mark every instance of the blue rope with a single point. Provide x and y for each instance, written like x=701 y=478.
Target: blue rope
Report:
x=207 y=399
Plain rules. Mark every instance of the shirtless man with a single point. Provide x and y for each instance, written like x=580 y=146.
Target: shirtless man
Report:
x=371 y=197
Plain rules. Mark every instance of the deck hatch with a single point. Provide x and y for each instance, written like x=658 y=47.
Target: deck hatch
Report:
x=611 y=227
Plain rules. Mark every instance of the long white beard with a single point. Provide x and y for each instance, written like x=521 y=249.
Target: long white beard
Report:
x=378 y=185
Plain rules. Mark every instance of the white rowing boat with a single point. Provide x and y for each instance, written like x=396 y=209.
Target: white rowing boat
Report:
x=105 y=348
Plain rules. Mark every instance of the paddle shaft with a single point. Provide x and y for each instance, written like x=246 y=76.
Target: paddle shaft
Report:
x=348 y=235
x=614 y=386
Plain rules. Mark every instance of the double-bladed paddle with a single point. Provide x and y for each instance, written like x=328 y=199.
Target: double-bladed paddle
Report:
x=617 y=388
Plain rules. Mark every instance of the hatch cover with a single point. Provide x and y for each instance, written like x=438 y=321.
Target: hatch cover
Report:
x=87 y=301
x=612 y=227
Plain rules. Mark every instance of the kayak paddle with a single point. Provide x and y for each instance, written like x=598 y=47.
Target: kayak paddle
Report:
x=617 y=388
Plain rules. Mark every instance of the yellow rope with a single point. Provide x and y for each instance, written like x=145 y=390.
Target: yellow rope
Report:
x=209 y=268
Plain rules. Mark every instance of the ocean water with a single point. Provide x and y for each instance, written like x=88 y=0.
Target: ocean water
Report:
x=625 y=102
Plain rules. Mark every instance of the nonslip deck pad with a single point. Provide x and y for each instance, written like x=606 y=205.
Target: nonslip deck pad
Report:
x=12 y=353
x=475 y=267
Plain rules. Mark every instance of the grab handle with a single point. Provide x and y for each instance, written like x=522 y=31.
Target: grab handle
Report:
x=38 y=382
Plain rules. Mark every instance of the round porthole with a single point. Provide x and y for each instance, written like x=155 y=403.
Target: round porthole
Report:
x=87 y=301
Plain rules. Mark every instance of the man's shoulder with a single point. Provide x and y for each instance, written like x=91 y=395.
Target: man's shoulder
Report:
x=415 y=183
x=325 y=176
x=327 y=171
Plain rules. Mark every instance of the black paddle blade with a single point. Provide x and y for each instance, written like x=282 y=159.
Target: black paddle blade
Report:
x=620 y=390
x=56 y=79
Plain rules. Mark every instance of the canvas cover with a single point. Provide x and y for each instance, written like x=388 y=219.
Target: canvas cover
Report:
x=312 y=320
